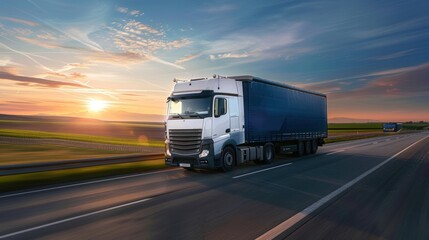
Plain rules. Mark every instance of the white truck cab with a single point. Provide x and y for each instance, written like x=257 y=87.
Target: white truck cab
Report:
x=204 y=116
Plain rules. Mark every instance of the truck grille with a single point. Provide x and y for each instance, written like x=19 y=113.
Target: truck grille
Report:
x=185 y=141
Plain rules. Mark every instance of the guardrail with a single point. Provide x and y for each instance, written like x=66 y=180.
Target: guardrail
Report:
x=78 y=163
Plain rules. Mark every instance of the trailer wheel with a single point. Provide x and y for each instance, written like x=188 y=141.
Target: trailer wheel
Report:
x=300 y=151
x=307 y=147
x=314 y=146
x=269 y=153
x=228 y=159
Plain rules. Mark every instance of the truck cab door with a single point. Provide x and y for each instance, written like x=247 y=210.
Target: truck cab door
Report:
x=221 y=121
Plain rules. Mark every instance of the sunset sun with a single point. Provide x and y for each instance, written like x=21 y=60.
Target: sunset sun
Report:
x=95 y=105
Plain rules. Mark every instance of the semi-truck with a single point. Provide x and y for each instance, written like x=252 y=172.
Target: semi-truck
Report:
x=392 y=127
x=221 y=122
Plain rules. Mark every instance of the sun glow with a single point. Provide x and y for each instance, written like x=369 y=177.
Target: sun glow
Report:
x=95 y=105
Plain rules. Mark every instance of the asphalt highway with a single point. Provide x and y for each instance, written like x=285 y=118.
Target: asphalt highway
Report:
x=374 y=188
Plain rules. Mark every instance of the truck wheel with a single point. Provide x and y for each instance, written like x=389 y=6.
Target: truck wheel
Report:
x=307 y=147
x=269 y=153
x=314 y=146
x=228 y=159
x=300 y=151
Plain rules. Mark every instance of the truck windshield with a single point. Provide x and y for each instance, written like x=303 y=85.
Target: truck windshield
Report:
x=190 y=107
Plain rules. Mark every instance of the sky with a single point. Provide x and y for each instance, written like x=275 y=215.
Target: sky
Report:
x=61 y=57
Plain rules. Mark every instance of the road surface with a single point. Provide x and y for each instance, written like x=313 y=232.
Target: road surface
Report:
x=365 y=189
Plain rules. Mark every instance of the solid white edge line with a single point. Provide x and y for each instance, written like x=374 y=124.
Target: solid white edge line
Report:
x=73 y=218
x=282 y=227
x=342 y=150
x=85 y=183
x=263 y=170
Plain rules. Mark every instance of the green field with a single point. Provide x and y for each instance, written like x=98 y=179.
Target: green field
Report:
x=355 y=126
x=29 y=180
x=415 y=126
x=79 y=137
x=31 y=153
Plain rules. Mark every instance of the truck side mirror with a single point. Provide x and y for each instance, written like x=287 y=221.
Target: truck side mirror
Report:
x=220 y=107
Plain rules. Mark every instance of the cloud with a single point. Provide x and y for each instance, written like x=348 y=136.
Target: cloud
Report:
x=76 y=34
x=9 y=69
x=399 y=70
x=158 y=60
x=23 y=31
x=177 y=43
x=228 y=55
x=401 y=82
x=122 y=9
x=71 y=66
x=335 y=83
x=134 y=12
x=43 y=44
x=73 y=75
x=401 y=26
x=27 y=55
x=219 y=9
x=140 y=41
x=4 y=62
x=20 y=21
x=395 y=55
x=46 y=36
x=137 y=27
x=29 y=81
x=125 y=58
x=274 y=40
x=125 y=10
x=187 y=58
x=82 y=37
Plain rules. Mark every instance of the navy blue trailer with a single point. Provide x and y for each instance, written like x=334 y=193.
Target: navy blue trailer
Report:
x=276 y=112
x=292 y=118
x=392 y=127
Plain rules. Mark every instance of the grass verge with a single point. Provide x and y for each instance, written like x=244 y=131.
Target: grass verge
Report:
x=78 y=137
x=353 y=137
x=32 y=153
x=31 y=180
x=354 y=126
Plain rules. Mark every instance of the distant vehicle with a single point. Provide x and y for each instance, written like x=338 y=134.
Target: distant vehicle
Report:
x=392 y=127
x=222 y=122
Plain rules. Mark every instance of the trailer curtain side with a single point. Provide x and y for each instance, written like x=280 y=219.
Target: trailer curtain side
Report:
x=276 y=113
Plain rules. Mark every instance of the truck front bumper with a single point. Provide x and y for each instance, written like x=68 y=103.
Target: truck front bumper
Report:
x=194 y=160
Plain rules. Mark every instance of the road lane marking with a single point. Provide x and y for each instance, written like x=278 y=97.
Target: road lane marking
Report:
x=342 y=150
x=263 y=170
x=85 y=183
x=74 y=218
x=282 y=227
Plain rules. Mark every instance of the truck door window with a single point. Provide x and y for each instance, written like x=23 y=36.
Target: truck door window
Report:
x=220 y=107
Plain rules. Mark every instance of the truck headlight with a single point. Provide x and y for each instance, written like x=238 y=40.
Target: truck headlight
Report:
x=204 y=153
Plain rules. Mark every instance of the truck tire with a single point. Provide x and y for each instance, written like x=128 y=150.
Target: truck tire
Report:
x=307 y=147
x=228 y=159
x=314 y=146
x=269 y=153
x=300 y=151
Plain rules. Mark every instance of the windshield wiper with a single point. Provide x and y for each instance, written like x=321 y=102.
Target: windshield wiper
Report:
x=196 y=115
x=178 y=115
